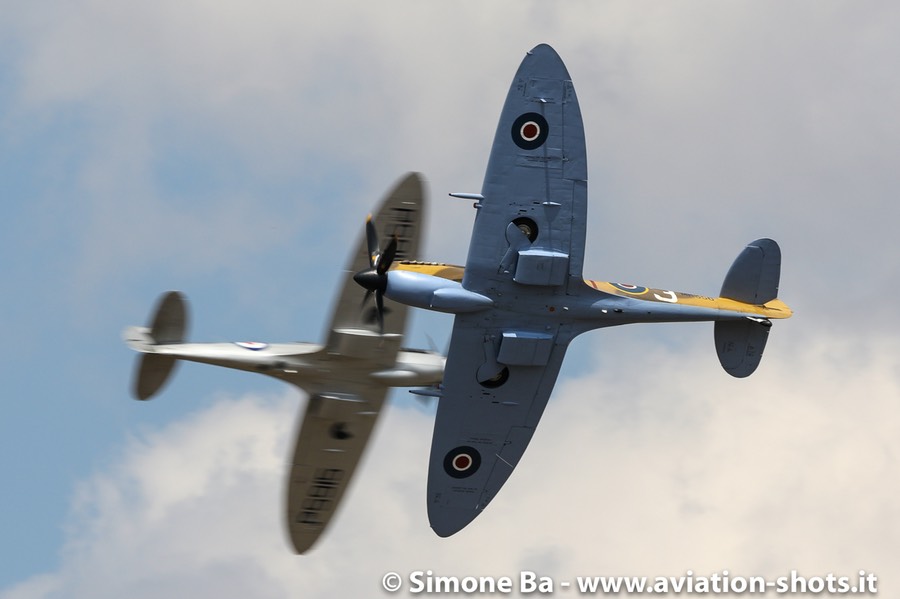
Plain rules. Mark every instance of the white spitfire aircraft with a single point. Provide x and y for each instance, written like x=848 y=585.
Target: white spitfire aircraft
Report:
x=346 y=379
x=522 y=298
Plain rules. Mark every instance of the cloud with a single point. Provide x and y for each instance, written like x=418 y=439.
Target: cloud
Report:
x=652 y=464
x=186 y=130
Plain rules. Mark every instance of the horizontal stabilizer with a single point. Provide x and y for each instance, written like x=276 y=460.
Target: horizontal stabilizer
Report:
x=754 y=276
x=153 y=371
x=170 y=319
x=740 y=344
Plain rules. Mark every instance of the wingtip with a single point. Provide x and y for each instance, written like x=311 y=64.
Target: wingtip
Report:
x=543 y=48
x=446 y=522
x=544 y=62
x=444 y=531
x=302 y=543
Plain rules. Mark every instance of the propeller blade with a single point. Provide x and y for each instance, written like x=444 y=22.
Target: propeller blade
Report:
x=366 y=298
x=372 y=242
x=387 y=257
x=379 y=310
x=374 y=279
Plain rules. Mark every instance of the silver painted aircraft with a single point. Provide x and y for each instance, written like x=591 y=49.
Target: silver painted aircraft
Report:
x=346 y=379
x=522 y=298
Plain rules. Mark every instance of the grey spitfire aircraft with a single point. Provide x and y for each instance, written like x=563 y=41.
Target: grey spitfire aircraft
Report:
x=346 y=379
x=522 y=297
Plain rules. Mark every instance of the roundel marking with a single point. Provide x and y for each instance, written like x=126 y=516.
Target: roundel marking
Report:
x=252 y=345
x=628 y=288
x=462 y=461
x=530 y=131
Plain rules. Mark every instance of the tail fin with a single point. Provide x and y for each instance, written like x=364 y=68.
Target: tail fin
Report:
x=167 y=328
x=752 y=279
x=754 y=276
x=170 y=319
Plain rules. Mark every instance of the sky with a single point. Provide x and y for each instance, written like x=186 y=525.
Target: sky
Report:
x=232 y=150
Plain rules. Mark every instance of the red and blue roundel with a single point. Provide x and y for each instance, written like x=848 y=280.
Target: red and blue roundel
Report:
x=462 y=462
x=252 y=345
x=530 y=131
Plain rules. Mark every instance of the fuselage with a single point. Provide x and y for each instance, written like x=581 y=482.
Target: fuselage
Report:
x=436 y=286
x=594 y=304
x=310 y=365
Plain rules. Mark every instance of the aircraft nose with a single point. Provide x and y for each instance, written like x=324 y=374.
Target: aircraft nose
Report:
x=371 y=280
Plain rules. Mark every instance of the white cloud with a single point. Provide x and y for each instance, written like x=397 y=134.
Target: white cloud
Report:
x=652 y=465
x=707 y=126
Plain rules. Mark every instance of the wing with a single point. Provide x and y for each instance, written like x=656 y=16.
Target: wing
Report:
x=482 y=429
x=344 y=404
x=526 y=254
x=536 y=179
x=332 y=438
